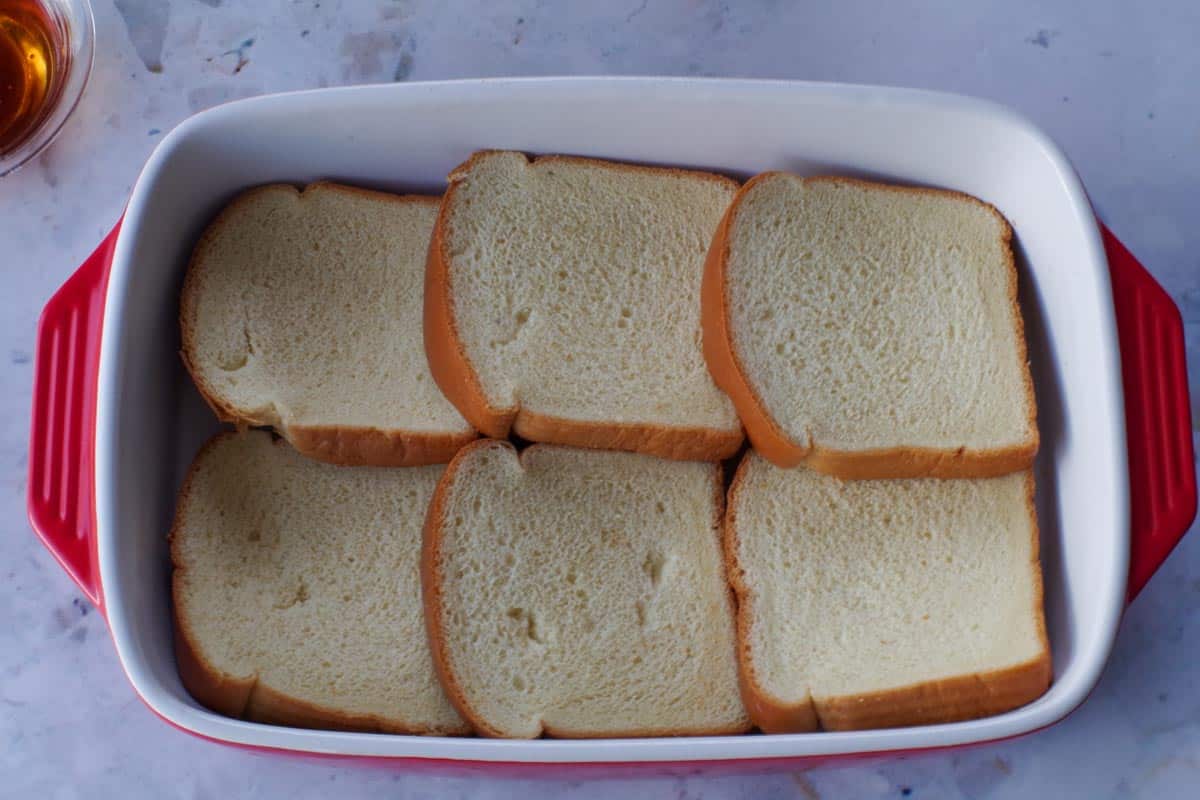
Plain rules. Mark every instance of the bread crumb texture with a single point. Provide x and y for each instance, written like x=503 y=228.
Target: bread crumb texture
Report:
x=848 y=588
x=305 y=309
x=582 y=593
x=868 y=316
x=302 y=579
x=576 y=287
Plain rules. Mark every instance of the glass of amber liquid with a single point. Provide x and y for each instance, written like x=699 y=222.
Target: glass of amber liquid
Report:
x=45 y=59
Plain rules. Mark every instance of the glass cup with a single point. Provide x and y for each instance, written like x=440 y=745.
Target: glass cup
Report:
x=70 y=34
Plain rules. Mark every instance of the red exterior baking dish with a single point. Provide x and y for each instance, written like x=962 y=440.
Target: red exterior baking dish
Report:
x=116 y=420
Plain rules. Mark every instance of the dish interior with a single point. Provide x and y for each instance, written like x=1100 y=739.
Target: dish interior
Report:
x=405 y=138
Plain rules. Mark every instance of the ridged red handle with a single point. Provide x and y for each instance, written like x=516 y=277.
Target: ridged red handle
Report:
x=62 y=501
x=1158 y=420
x=1162 y=480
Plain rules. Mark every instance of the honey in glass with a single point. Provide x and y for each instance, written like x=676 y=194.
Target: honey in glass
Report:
x=32 y=51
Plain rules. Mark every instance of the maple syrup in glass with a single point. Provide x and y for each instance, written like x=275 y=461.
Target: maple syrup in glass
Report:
x=45 y=57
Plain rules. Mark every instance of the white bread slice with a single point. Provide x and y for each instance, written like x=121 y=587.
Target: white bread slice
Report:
x=581 y=593
x=297 y=594
x=875 y=604
x=870 y=331
x=302 y=310
x=563 y=303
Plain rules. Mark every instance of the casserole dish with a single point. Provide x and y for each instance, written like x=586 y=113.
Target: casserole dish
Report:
x=116 y=420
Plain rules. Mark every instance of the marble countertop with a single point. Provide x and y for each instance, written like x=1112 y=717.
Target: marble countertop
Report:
x=1117 y=88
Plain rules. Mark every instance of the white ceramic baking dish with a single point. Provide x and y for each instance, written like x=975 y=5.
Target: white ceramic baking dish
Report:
x=116 y=418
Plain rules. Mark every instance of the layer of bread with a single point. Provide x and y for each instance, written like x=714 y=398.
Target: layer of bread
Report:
x=297 y=592
x=581 y=593
x=870 y=330
x=302 y=311
x=867 y=604
x=562 y=303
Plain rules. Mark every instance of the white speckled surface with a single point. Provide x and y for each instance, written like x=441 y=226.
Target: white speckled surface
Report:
x=1116 y=87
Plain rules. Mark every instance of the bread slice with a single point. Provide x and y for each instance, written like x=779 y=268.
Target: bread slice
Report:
x=297 y=596
x=581 y=593
x=562 y=302
x=877 y=604
x=302 y=310
x=870 y=331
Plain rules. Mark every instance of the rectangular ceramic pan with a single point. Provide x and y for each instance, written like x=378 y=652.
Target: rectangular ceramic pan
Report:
x=116 y=418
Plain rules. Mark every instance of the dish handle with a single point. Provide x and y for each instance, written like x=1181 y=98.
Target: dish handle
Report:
x=1158 y=426
x=61 y=489
x=61 y=496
